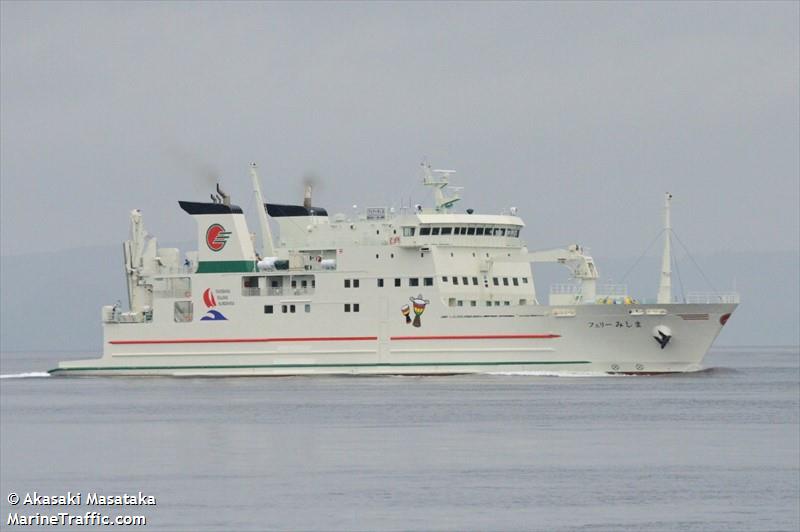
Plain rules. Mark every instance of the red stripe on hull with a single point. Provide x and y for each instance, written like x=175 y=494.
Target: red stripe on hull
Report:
x=246 y=340
x=479 y=337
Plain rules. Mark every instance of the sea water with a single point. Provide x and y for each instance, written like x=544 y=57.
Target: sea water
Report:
x=714 y=450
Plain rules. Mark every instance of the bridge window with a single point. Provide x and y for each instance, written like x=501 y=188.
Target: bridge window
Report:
x=424 y=231
x=435 y=231
x=470 y=230
x=479 y=231
x=408 y=231
x=447 y=230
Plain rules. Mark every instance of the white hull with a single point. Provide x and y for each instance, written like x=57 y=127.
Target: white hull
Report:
x=597 y=339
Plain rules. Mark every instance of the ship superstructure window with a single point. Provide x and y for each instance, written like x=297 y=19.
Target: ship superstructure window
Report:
x=268 y=309
x=475 y=281
x=347 y=283
x=355 y=283
x=505 y=281
x=435 y=231
x=307 y=307
x=479 y=231
x=515 y=281
x=352 y=307
x=413 y=281
x=470 y=230
x=408 y=231
x=455 y=280
x=397 y=282
x=495 y=281
x=465 y=280
x=380 y=283
x=424 y=231
x=356 y=307
x=428 y=281
x=444 y=278
x=183 y=311
x=524 y=280
x=447 y=230
x=347 y=307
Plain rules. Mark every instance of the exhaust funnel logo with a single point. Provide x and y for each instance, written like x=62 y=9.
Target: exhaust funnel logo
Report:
x=211 y=302
x=217 y=237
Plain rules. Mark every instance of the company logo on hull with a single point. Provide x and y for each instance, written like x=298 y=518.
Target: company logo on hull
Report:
x=211 y=302
x=216 y=237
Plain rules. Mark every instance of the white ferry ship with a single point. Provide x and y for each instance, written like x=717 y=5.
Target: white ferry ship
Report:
x=417 y=291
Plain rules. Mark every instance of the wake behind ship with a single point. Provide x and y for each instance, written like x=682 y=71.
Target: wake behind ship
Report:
x=419 y=291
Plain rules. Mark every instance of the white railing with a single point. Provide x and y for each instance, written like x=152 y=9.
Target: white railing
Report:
x=565 y=288
x=712 y=297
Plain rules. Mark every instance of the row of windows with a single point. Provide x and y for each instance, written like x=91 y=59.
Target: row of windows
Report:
x=495 y=280
x=455 y=280
x=460 y=303
x=287 y=308
x=512 y=232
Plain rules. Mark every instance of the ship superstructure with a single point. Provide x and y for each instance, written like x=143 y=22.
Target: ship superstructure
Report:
x=414 y=291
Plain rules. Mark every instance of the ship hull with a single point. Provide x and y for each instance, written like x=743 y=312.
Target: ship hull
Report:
x=585 y=339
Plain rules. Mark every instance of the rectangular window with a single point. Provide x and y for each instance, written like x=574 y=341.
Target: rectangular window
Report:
x=473 y=303
x=475 y=281
x=283 y=309
x=424 y=231
x=291 y=309
x=268 y=309
x=506 y=303
x=356 y=307
x=444 y=278
x=447 y=230
x=515 y=281
x=524 y=280
x=380 y=283
x=408 y=231
x=460 y=303
x=397 y=282
x=413 y=281
x=455 y=280
x=479 y=231
x=428 y=281
x=470 y=230
x=274 y=283
x=347 y=283
x=465 y=280
x=505 y=281
x=294 y=283
x=347 y=307
x=435 y=231
x=495 y=281
x=307 y=307
x=502 y=232
x=355 y=283
x=463 y=230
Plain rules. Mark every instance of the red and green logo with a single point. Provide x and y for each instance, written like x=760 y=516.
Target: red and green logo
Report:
x=217 y=237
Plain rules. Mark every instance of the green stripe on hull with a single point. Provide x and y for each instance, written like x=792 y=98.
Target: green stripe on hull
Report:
x=226 y=266
x=281 y=366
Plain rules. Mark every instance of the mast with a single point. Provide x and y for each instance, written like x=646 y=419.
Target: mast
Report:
x=665 y=286
x=266 y=235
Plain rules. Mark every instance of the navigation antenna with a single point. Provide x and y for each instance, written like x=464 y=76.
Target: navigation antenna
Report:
x=665 y=286
x=439 y=180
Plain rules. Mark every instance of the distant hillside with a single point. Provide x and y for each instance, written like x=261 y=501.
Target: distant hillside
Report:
x=51 y=301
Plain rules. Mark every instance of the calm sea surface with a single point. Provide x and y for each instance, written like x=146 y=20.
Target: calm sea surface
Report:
x=715 y=450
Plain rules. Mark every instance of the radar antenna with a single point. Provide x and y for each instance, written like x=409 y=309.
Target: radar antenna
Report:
x=439 y=180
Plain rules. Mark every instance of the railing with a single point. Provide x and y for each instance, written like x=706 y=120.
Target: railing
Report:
x=173 y=292
x=712 y=297
x=604 y=289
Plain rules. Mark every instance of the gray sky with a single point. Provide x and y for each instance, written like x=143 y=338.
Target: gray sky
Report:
x=580 y=114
